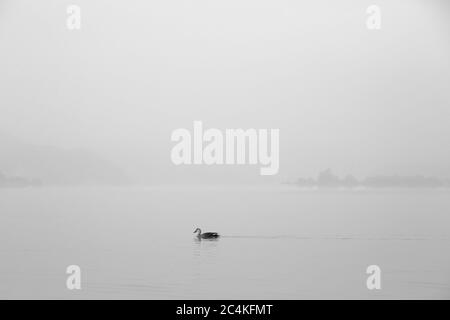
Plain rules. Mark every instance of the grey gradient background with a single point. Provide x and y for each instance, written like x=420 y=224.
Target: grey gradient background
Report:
x=358 y=101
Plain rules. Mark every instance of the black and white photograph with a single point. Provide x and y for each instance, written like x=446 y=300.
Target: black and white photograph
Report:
x=212 y=150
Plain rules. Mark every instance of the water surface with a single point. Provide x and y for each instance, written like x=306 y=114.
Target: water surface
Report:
x=278 y=242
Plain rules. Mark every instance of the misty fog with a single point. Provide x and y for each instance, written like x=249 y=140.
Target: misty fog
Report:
x=360 y=102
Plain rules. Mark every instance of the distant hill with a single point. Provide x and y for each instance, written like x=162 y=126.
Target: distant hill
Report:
x=53 y=165
x=8 y=182
x=326 y=179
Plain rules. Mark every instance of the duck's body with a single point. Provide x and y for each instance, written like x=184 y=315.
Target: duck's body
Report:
x=206 y=235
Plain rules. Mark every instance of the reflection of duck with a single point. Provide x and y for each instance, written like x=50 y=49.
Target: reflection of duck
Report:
x=206 y=235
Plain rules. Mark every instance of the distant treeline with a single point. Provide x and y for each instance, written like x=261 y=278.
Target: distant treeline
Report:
x=8 y=182
x=327 y=179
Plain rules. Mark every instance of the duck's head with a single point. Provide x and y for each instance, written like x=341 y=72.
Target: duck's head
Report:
x=197 y=230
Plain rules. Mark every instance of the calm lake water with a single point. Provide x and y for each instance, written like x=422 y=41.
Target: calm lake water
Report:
x=278 y=242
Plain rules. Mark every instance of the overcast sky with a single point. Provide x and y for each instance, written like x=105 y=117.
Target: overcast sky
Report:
x=358 y=101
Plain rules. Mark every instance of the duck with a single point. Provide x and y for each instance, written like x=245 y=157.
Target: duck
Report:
x=206 y=235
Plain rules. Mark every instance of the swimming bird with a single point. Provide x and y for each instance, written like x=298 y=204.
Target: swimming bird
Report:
x=206 y=235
